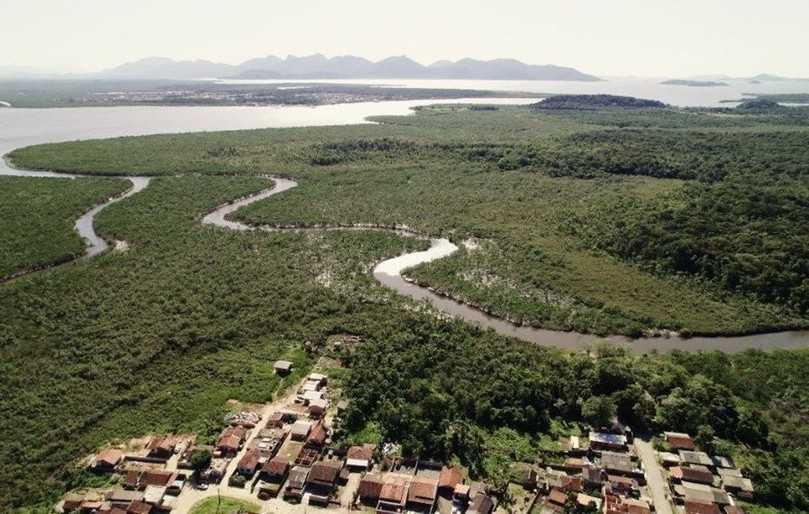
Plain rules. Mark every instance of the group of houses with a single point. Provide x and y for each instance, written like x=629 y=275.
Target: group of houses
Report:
x=422 y=487
x=701 y=483
x=148 y=486
x=600 y=471
x=289 y=456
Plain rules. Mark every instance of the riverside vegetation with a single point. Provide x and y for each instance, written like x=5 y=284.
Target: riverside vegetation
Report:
x=37 y=217
x=159 y=337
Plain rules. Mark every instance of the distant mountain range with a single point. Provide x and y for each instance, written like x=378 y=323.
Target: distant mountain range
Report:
x=318 y=66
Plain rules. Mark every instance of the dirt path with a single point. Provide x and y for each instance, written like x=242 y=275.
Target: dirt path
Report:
x=654 y=476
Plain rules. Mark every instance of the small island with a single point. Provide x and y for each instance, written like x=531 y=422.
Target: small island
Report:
x=694 y=83
x=593 y=102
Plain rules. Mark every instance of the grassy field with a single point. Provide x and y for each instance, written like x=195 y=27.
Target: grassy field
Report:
x=37 y=217
x=224 y=506
x=158 y=338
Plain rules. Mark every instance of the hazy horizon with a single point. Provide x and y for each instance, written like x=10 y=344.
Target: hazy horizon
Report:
x=619 y=38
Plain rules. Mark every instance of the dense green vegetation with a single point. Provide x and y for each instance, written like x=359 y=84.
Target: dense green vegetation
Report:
x=557 y=249
x=37 y=217
x=160 y=337
x=590 y=102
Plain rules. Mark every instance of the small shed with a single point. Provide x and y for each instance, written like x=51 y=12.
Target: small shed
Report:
x=282 y=367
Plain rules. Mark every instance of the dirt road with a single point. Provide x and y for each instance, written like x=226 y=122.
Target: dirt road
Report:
x=189 y=497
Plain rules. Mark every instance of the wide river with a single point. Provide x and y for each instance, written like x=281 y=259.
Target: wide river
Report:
x=682 y=96
x=23 y=127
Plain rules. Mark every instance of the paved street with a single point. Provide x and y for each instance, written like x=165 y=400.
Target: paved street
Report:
x=654 y=477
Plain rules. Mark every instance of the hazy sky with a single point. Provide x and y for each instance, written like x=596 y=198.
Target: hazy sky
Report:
x=605 y=37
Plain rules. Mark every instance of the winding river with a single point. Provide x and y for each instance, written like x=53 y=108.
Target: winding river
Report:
x=389 y=273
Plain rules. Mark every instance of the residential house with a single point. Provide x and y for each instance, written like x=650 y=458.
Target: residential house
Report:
x=557 y=499
x=623 y=486
x=421 y=494
x=524 y=474
x=695 y=458
x=739 y=486
x=122 y=497
x=688 y=491
x=273 y=474
x=153 y=494
x=322 y=480
x=669 y=459
x=392 y=495
x=696 y=473
x=317 y=408
x=296 y=483
x=696 y=507
x=161 y=447
x=369 y=489
x=276 y=420
x=317 y=436
x=602 y=441
x=231 y=439
x=139 y=508
x=300 y=430
x=679 y=441
x=107 y=460
x=249 y=463
x=156 y=477
x=317 y=378
x=593 y=476
x=617 y=463
x=360 y=458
